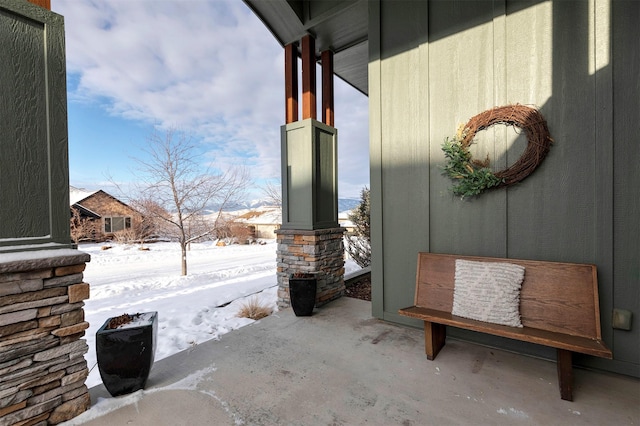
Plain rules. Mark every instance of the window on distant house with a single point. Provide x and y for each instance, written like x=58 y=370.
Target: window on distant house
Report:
x=115 y=224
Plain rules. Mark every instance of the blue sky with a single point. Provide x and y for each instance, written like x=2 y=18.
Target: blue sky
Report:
x=207 y=67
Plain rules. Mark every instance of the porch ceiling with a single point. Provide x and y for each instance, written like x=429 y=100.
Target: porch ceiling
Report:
x=337 y=25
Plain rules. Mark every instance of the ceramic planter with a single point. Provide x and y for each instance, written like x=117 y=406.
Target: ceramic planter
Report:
x=302 y=292
x=125 y=354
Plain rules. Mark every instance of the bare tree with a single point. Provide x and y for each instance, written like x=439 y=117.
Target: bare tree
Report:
x=148 y=223
x=82 y=228
x=235 y=183
x=273 y=192
x=174 y=177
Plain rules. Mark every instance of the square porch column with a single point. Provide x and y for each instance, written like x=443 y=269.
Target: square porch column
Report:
x=310 y=239
x=309 y=175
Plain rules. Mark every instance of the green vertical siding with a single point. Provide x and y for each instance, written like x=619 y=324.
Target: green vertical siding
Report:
x=626 y=192
x=434 y=65
x=310 y=175
x=34 y=166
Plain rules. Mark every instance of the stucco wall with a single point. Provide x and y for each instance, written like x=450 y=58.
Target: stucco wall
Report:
x=434 y=65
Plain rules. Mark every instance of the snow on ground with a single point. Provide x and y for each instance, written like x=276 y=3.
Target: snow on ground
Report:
x=200 y=306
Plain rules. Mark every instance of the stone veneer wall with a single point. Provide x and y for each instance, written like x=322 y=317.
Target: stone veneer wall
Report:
x=320 y=251
x=42 y=365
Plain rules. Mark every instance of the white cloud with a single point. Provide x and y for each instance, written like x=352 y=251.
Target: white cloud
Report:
x=352 y=122
x=208 y=67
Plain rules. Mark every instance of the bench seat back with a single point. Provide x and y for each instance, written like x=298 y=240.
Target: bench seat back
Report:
x=557 y=297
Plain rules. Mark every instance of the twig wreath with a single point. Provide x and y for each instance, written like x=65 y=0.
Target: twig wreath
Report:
x=474 y=176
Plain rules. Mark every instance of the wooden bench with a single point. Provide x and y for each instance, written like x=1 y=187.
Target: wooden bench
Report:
x=558 y=307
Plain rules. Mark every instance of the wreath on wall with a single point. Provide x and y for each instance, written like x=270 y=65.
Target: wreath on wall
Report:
x=472 y=176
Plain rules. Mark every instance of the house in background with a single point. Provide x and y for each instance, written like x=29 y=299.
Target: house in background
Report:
x=265 y=221
x=345 y=222
x=429 y=66
x=106 y=213
x=262 y=222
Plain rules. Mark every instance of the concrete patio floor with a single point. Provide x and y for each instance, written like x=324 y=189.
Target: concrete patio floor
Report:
x=342 y=367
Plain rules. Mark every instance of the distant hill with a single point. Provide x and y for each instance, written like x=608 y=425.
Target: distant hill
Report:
x=344 y=204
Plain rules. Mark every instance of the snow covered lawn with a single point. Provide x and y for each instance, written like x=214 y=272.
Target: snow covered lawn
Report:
x=125 y=279
x=192 y=309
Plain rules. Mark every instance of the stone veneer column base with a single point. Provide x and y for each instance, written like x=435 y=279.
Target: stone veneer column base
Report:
x=318 y=251
x=42 y=365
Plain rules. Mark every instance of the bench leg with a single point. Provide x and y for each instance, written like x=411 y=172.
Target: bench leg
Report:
x=565 y=374
x=434 y=338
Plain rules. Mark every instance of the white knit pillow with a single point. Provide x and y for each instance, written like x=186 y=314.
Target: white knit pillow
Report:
x=488 y=291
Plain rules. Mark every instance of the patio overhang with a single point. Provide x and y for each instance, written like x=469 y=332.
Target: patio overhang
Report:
x=337 y=26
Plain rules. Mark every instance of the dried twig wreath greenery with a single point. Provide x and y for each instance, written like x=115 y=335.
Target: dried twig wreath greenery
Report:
x=474 y=176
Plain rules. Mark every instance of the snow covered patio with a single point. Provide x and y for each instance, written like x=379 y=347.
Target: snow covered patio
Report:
x=343 y=367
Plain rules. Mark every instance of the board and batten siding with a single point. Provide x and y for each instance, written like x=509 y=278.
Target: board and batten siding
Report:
x=34 y=164
x=434 y=65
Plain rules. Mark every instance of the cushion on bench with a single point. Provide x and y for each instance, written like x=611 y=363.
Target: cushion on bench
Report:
x=488 y=291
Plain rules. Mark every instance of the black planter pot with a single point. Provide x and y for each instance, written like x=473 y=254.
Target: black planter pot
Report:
x=125 y=354
x=302 y=292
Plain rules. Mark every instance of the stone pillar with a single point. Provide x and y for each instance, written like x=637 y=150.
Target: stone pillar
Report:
x=320 y=251
x=42 y=365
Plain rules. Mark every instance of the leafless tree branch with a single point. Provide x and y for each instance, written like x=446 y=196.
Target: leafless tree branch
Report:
x=174 y=177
